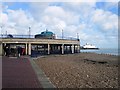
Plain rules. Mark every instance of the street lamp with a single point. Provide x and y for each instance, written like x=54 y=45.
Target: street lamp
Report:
x=62 y=33
x=29 y=31
x=60 y=27
x=77 y=36
x=6 y=33
x=1 y=31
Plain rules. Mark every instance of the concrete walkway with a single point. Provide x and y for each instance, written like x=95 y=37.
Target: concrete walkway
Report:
x=18 y=73
x=43 y=79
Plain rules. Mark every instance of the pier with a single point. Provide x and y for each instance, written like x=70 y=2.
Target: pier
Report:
x=41 y=46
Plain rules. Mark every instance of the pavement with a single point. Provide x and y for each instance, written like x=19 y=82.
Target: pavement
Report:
x=18 y=73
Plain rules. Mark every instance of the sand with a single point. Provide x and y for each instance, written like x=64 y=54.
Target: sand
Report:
x=83 y=70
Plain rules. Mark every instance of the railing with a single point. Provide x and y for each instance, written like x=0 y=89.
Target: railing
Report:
x=33 y=36
x=16 y=36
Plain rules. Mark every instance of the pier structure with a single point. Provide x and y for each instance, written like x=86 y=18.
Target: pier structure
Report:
x=41 y=46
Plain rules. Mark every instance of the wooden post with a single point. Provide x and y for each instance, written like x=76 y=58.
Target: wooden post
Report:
x=48 y=48
x=72 y=48
x=62 y=48
x=29 y=49
x=1 y=49
x=26 y=49
x=78 y=50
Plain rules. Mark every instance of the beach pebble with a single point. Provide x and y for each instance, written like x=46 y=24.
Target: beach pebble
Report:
x=87 y=75
x=70 y=71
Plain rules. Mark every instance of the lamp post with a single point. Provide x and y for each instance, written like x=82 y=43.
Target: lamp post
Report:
x=29 y=31
x=59 y=27
x=6 y=33
x=1 y=31
x=62 y=33
x=77 y=36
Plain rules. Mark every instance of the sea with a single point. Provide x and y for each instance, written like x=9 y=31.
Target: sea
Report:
x=103 y=51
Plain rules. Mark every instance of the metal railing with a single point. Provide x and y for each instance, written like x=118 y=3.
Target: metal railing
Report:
x=33 y=36
x=16 y=36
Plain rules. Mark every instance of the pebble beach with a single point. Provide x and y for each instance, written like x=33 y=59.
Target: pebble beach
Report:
x=83 y=70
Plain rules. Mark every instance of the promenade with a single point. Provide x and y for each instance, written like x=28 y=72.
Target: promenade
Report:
x=18 y=73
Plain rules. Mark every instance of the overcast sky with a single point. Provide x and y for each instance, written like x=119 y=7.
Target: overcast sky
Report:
x=95 y=22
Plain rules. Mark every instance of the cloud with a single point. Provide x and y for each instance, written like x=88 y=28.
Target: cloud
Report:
x=18 y=16
x=55 y=12
x=105 y=20
x=94 y=25
x=61 y=1
x=4 y=18
x=15 y=21
x=37 y=9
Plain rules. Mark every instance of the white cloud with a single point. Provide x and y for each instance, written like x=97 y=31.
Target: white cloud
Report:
x=15 y=21
x=37 y=9
x=54 y=14
x=105 y=19
x=61 y=0
x=54 y=11
x=18 y=16
x=10 y=30
x=4 y=18
x=73 y=18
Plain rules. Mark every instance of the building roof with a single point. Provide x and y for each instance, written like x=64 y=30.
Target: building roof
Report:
x=47 y=33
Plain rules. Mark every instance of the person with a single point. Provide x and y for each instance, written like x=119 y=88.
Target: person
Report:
x=23 y=51
x=19 y=51
x=7 y=51
x=4 y=48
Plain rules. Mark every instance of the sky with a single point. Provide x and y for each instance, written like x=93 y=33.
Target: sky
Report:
x=95 y=22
